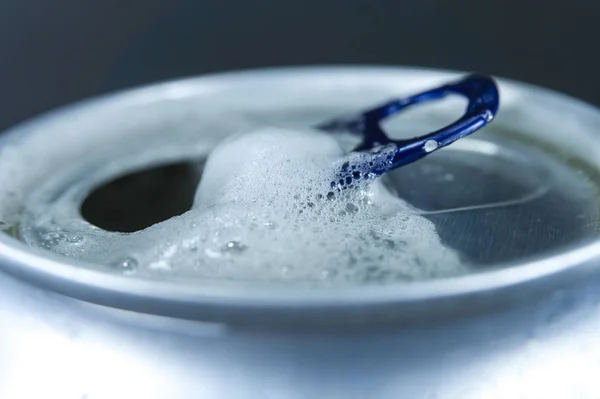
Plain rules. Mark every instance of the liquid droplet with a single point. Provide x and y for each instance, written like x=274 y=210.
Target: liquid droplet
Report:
x=74 y=239
x=389 y=243
x=430 y=145
x=487 y=115
x=352 y=208
x=127 y=265
x=234 y=247
x=270 y=225
x=328 y=274
x=52 y=239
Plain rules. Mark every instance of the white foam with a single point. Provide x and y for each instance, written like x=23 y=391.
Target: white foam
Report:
x=266 y=211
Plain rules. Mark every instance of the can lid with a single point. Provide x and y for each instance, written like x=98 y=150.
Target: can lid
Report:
x=518 y=201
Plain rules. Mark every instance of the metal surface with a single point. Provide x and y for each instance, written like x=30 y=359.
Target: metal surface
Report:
x=54 y=347
x=523 y=327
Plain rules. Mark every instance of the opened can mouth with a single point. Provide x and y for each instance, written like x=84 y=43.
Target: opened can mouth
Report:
x=518 y=201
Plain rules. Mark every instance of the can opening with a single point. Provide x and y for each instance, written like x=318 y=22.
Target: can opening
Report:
x=140 y=199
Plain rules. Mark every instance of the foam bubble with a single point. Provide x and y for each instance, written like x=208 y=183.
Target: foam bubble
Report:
x=271 y=206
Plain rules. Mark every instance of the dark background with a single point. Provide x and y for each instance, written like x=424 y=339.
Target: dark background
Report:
x=58 y=51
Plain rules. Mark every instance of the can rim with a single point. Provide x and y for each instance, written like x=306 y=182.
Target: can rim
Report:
x=252 y=304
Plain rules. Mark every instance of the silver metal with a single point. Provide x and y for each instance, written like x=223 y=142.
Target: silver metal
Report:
x=523 y=329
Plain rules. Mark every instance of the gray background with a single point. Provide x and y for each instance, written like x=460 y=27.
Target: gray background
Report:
x=58 y=51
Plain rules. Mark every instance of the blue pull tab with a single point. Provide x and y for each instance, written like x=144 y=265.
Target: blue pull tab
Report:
x=481 y=92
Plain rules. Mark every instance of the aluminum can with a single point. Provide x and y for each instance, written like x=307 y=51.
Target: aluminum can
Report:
x=520 y=200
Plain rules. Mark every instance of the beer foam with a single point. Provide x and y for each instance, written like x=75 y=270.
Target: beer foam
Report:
x=269 y=207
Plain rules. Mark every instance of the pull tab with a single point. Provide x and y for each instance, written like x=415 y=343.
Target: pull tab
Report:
x=483 y=101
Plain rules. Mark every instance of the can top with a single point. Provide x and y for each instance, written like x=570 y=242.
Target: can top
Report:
x=511 y=203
